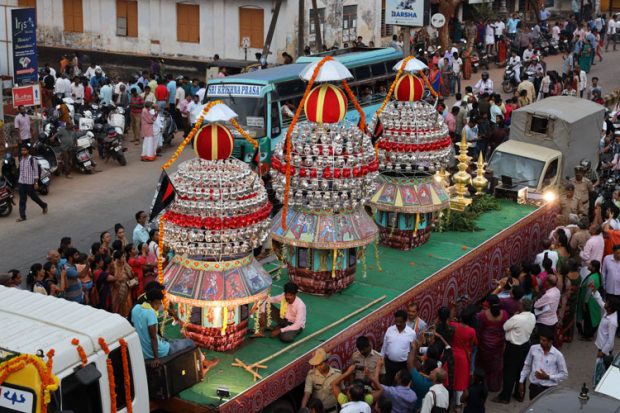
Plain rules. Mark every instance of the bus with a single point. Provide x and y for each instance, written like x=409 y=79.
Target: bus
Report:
x=266 y=100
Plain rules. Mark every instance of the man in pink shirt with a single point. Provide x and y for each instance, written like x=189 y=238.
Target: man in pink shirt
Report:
x=546 y=307
x=290 y=317
x=22 y=124
x=594 y=249
x=451 y=120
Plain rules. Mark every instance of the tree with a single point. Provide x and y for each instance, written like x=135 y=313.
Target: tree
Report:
x=448 y=8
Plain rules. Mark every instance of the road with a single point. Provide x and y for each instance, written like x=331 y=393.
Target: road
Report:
x=86 y=205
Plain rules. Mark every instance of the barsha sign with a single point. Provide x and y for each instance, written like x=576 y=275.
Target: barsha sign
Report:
x=404 y=12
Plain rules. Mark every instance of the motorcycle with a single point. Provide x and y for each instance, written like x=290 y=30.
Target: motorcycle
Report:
x=509 y=83
x=84 y=143
x=8 y=180
x=169 y=128
x=110 y=146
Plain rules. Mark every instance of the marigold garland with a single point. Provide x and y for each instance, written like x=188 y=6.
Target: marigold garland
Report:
x=362 y=123
x=126 y=375
x=49 y=382
x=428 y=84
x=80 y=351
x=160 y=260
x=289 y=132
x=111 y=384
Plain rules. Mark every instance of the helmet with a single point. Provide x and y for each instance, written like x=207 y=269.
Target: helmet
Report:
x=585 y=164
x=98 y=71
x=88 y=114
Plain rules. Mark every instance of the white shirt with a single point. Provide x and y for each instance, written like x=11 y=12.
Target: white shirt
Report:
x=611 y=26
x=527 y=55
x=191 y=108
x=519 y=327
x=180 y=94
x=355 y=407
x=456 y=65
x=552 y=255
x=514 y=62
x=583 y=80
x=552 y=363
x=90 y=72
x=499 y=28
x=555 y=33
x=201 y=94
x=396 y=344
x=594 y=249
x=606 y=333
x=481 y=86
x=77 y=91
x=437 y=396
x=611 y=274
x=63 y=86
x=613 y=223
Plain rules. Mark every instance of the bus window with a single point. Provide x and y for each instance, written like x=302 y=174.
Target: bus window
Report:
x=291 y=88
x=378 y=69
x=276 y=125
x=251 y=111
x=361 y=73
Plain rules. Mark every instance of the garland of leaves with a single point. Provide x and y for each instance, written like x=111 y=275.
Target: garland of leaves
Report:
x=466 y=221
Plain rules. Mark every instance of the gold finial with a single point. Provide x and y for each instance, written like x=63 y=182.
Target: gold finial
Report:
x=461 y=179
x=480 y=183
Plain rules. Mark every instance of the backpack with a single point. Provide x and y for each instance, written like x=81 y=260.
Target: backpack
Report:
x=437 y=409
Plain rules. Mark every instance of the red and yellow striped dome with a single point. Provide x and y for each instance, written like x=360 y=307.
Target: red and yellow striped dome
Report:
x=214 y=141
x=326 y=104
x=409 y=88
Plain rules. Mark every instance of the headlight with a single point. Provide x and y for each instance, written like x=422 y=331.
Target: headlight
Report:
x=549 y=196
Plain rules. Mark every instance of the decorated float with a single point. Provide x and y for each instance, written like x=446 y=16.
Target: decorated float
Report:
x=219 y=215
x=415 y=145
x=324 y=171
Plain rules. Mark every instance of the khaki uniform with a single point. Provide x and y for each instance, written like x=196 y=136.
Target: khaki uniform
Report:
x=369 y=362
x=571 y=206
x=583 y=189
x=320 y=386
x=579 y=239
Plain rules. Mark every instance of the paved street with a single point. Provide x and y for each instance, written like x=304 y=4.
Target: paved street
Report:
x=84 y=206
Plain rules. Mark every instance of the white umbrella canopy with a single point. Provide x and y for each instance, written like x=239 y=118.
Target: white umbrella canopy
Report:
x=331 y=71
x=218 y=113
x=413 y=65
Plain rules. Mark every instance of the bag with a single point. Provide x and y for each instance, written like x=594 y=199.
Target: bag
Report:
x=437 y=409
x=132 y=282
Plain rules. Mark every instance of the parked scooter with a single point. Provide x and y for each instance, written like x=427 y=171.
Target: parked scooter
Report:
x=8 y=181
x=116 y=119
x=169 y=128
x=84 y=143
x=111 y=146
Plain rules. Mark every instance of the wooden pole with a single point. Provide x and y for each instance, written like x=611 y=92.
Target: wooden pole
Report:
x=316 y=333
x=300 y=28
x=270 y=32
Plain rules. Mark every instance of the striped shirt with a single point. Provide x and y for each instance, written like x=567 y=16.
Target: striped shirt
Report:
x=28 y=172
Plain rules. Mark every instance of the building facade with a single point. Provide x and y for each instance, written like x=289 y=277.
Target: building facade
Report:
x=198 y=28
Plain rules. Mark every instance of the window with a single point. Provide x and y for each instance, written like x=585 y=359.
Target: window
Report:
x=188 y=23
x=251 y=24
x=312 y=27
x=378 y=69
x=72 y=15
x=539 y=125
x=361 y=73
x=386 y=29
x=76 y=395
x=127 y=18
x=276 y=127
x=302 y=258
x=119 y=379
x=349 y=23
x=31 y=4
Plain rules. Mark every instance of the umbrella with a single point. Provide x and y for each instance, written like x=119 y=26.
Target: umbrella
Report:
x=218 y=113
x=331 y=71
x=413 y=65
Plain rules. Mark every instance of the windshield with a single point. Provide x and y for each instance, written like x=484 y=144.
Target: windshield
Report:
x=251 y=111
x=522 y=170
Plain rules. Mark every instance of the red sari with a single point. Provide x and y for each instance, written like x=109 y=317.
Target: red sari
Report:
x=136 y=264
x=491 y=339
x=463 y=343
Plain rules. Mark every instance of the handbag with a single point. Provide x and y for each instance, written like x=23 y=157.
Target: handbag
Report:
x=131 y=283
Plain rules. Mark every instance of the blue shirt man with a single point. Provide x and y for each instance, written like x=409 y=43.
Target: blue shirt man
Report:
x=511 y=25
x=144 y=318
x=106 y=93
x=172 y=90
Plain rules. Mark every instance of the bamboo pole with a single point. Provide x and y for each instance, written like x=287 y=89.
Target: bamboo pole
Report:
x=316 y=333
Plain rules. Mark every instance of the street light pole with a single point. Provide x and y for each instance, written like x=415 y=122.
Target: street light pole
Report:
x=300 y=29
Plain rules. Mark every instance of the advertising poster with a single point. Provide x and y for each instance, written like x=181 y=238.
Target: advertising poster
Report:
x=24 y=30
x=404 y=12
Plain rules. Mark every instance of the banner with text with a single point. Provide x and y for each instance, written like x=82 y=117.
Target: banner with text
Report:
x=24 y=30
x=404 y=12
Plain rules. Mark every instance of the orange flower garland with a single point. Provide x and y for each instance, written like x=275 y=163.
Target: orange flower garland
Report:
x=49 y=382
x=352 y=98
x=247 y=137
x=160 y=260
x=126 y=376
x=111 y=384
x=80 y=351
x=428 y=84
x=289 y=132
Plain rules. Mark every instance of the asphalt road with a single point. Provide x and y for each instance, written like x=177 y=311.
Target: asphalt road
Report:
x=86 y=205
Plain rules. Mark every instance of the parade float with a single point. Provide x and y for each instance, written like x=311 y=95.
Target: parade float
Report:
x=219 y=215
x=415 y=145
x=324 y=172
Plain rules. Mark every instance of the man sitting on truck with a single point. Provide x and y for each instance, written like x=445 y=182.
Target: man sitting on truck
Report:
x=290 y=317
x=154 y=347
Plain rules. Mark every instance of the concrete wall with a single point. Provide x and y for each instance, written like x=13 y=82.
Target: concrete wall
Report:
x=219 y=26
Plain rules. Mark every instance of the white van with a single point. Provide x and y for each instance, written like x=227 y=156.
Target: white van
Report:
x=34 y=324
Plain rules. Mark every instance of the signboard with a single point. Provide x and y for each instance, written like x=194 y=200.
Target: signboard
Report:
x=26 y=95
x=24 y=30
x=228 y=89
x=404 y=12
x=245 y=42
x=438 y=20
x=16 y=400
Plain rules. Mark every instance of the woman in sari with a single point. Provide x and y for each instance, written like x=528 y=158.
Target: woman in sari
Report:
x=562 y=247
x=104 y=281
x=585 y=58
x=464 y=341
x=434 y=77
x=136 y=262
x=446 y=78
x=149 y=144
x=588 y=310
x=491 y=342
x=121 y=299
x=568 y=302
x=467 y=64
